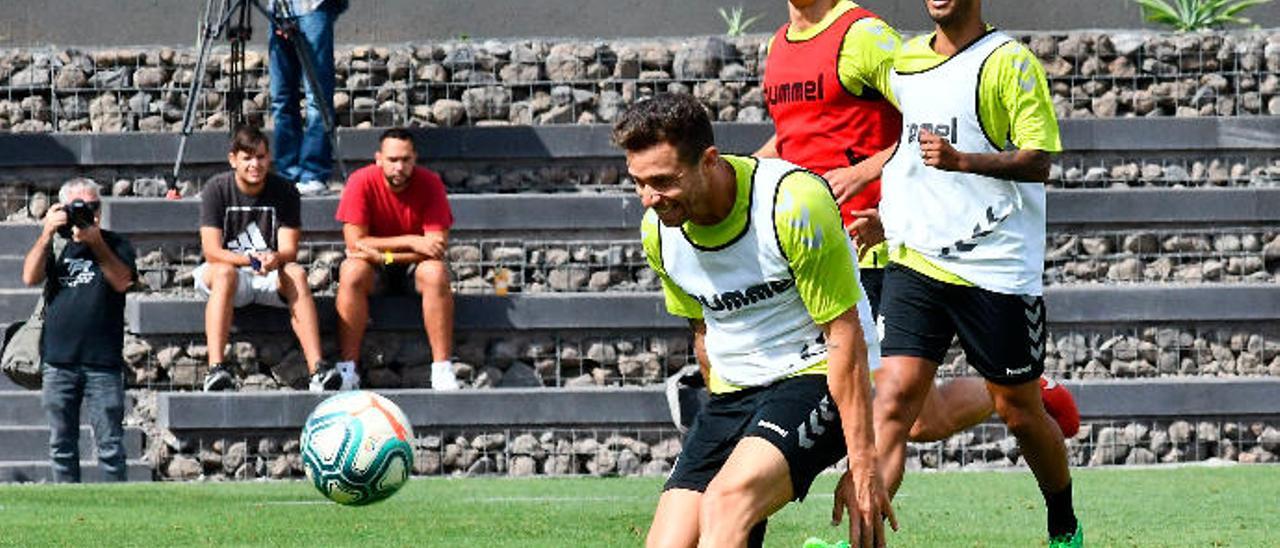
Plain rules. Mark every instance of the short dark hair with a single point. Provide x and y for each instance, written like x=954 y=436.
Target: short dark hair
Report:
x=397 y=133
x=675 y=119
x=248 y=139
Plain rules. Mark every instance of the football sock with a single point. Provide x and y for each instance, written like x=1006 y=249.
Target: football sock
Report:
x=1062 y=514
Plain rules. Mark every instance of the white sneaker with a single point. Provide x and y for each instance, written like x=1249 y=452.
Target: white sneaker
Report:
x=442 y=377
x=312 y=188
x=350 y=379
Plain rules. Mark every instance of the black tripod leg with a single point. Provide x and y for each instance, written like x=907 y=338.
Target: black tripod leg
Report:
x=210 y=28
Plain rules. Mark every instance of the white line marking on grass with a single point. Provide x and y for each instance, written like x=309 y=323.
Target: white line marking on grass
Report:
x=289 y=502
x=559 y=499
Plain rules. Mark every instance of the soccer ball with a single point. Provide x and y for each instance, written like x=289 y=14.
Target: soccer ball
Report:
x=357 y=448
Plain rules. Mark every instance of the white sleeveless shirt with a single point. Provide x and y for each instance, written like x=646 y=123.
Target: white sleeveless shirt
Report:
x=988 y=231
x=758 y=329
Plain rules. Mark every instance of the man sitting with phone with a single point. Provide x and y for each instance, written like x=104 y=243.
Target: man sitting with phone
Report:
x=250 y=224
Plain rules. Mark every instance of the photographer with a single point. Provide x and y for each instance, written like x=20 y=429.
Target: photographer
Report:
x=84 y=329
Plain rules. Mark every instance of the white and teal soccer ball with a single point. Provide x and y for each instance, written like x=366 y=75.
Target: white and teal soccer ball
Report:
x=357 y=448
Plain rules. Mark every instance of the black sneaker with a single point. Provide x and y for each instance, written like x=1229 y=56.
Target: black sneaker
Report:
x=219 y=378
x=326 y=378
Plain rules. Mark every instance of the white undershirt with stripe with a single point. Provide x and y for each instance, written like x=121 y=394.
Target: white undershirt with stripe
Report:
x=988 y=231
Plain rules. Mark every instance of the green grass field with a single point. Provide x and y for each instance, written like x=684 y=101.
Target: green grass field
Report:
x=1235 y=506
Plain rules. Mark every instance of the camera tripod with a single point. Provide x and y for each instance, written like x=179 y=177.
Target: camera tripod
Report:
x=233 y=21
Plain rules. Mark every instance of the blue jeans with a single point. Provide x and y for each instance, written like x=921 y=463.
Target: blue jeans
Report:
x=65 y=387
x=303 y=154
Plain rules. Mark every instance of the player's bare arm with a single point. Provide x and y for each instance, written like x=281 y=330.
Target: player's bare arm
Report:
x=699 y=329
x=211 y=246
x=1016 y=165
x=847 y=182
x=407 y=249
x=860 y=492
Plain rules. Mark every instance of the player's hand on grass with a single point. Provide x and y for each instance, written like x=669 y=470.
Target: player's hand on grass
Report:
x=846 y=182
x=862 y=495
x=938 y=152
x=866 y=229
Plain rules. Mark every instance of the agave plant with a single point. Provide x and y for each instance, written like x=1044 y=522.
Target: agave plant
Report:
x=1192 y=15
x=733 y=20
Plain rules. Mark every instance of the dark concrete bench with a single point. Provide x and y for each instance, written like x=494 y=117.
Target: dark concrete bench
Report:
x=155 y=315
x=621 y=407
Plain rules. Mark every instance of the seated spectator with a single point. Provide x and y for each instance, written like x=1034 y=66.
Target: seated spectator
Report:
x=83 y=330
x=396 y=221
x=250 y=224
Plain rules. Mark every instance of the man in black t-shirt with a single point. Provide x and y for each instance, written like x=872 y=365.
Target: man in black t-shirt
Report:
x=83 y=330
x=250 y=224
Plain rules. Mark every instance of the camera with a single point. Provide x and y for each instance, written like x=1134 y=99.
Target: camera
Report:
x=80 y=214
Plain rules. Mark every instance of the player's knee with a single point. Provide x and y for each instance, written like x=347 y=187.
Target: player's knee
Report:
x=893 y=398
x=726 y=502
x=294 y=271
x=927 y=429
x=431 y=275
x=355 y=274
x=219 y=275
x=1018 y=416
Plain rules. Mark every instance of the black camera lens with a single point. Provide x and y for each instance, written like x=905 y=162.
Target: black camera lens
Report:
x=80 y=213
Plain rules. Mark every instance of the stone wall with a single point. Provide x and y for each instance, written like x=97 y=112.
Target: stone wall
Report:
x=610 y=359
x=652 y=452
x=576 y=81
x=1218 y=255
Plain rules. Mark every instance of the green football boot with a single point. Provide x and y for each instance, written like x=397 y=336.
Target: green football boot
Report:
x=1075 y=540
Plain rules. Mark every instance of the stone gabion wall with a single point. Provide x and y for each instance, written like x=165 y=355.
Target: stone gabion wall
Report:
x=548 y=452
x=1152 y=351
x=584 y=359
x=1105 y=443
x=402 y=360
x=1220 y=255
x=652 y=452
x=1202 y=256
x=576 y=81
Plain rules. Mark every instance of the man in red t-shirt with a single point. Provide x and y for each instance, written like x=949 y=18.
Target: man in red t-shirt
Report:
x=395 y=221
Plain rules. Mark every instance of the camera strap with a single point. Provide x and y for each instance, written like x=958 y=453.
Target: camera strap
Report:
x=57 y=244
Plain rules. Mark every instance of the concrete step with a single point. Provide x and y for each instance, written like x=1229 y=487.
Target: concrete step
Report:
x=1084 y=304
x=29 y=443
x=7 y=385
x=479 y=212
x=618 y=407
x=425 y=408
x=155 y=314
x=23 y=408
x=16 y=304
x=561 y=212
x=40 y=471
x=70 y=150
x=16 y=238
x=11 y=272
